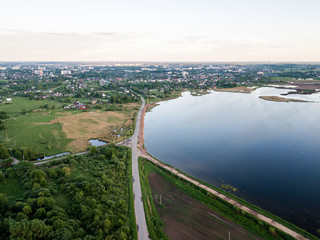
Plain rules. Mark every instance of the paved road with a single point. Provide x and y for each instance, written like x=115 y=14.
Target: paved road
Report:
x=138 y=204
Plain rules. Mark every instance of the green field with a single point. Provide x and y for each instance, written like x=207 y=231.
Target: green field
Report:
x=29 y=125
x=24 y=131
x=19 y=105
x=283 y=79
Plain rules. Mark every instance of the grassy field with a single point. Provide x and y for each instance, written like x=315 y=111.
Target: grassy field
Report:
x=23 y=132
x=20 y=104
x=283 y=79
x=55 y=131
x=249 y=222
x=172 y=95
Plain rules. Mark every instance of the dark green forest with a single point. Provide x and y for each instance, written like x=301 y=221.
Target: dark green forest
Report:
x=79 y=197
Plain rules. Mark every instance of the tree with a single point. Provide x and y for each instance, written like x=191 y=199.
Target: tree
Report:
x=3 y=152
x=2 y=176
x=65 y=169
x=93 y=149
x=27 y=210
x=7 y=162
x=3 y=201
x=35 y=229
x=3 y=115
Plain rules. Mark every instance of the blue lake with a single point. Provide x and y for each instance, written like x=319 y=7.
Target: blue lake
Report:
x=269 y=150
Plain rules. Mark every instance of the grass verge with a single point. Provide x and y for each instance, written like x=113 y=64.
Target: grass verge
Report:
x=154 y=222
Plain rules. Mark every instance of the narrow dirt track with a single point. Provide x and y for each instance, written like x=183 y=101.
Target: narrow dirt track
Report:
x=143 y=153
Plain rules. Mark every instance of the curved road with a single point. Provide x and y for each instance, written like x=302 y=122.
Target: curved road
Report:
x=138 y=203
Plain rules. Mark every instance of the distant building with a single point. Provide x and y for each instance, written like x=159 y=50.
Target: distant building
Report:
x=64 y=72
x=38 y=72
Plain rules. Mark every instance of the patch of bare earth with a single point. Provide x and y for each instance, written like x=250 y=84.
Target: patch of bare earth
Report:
x=88 y=125
x=186 y=218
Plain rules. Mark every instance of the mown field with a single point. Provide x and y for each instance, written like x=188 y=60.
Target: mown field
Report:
x=48 y=129
x=21 y=105
x=157 y=215
x=80 y=197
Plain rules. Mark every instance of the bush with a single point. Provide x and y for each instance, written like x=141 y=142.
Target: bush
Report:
x=3 y=152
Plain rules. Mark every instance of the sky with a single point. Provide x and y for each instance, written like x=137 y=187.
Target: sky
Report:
x=166 y=30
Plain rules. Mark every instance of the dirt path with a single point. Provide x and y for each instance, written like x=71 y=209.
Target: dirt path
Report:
x=143 y=153
x=141 y=130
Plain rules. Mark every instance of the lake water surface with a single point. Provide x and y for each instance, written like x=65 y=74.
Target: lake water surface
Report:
x=269 y=150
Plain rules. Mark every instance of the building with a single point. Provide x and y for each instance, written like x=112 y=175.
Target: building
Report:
x=64 y=72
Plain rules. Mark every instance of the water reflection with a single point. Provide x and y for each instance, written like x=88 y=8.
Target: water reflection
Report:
x=97 y=142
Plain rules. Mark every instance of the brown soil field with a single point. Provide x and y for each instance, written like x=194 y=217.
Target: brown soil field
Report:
x=309 y=86
x=87 y=125
x=280 y=99
x=186 y=218
x=235 y=89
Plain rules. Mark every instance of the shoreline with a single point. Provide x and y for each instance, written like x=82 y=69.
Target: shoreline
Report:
x=236 y=89
x=143 y=153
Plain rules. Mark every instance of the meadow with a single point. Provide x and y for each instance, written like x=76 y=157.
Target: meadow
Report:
x=45 y=127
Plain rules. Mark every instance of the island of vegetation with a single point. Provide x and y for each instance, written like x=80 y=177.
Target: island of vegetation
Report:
x=280 y=99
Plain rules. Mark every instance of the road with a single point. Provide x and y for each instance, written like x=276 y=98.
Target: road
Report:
x=138 y=204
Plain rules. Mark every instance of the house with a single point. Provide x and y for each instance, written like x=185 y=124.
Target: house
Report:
x=82 y=107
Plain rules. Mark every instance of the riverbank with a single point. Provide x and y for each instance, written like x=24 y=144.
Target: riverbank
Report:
x=260 y=214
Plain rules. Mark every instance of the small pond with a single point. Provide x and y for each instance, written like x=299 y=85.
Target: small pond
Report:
x=97 y=142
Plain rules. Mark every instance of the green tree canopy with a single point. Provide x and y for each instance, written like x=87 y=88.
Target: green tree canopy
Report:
x=3 y=152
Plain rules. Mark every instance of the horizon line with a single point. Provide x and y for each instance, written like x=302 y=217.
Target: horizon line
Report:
x=158 y=61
